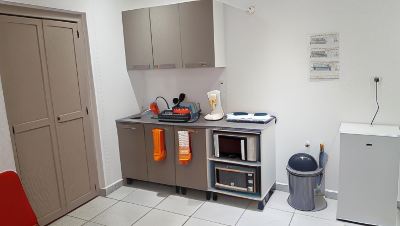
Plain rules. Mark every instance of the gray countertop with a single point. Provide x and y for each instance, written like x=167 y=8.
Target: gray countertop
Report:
x=146 y=119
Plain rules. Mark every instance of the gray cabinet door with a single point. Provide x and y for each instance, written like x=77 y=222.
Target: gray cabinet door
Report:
x=162 y=172
x=137 y=35
x=132 y=151
x=197 y=34
x=166 y=38
x=194 y=174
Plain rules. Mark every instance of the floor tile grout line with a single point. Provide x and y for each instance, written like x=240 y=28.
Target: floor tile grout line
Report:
x=291 y=219
x=90 y=220
x=72 y=217
x=321 y=218
x=186 y=221
x=204 y=202
x=144 y=205
x=241 y=215
x=121 y=198
x=169 y=211
x=142 y=216
x=198 y=218
x=103 y=212
x=151 y=209
x=287 y=211
x=85 y=221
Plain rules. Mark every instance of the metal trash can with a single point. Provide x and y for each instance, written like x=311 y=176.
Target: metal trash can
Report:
x=304 y=174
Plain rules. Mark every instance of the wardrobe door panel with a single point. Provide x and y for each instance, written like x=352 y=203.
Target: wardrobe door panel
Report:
x=37 y=170
x=69 y=99
x=29 y=112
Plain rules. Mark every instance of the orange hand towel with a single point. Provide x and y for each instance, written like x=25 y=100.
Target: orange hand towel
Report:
x=184 y=152
x=159 y=151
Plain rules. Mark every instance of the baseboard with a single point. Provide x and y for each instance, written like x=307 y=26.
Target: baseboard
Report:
x=111 y=188
x=330 y=194
x=282 y=187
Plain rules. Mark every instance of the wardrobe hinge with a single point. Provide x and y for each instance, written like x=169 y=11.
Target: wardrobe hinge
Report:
x=87 y=111
x=13 y=130
x=77 y=33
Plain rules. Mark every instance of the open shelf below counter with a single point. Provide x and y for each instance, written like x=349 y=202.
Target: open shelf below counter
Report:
x=255 y=197
x=232 y=161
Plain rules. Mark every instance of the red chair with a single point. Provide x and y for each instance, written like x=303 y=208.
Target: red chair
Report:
x=15 y=209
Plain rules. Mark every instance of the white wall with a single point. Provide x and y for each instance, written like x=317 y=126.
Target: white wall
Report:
x=267 y=70
x=114 y=95
x=6 y=154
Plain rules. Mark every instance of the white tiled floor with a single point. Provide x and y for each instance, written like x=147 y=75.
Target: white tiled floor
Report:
x=155 y=205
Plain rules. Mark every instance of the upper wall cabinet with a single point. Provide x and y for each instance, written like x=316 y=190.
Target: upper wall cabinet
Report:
x=202 y=34
x=138 y=48
x=166 y=37
x=188 y=35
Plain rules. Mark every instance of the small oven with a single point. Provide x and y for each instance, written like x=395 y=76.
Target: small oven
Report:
x=237 y=178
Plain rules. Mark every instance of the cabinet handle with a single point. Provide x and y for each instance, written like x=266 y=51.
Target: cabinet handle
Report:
x=195 y=65
x=165 y=66
x=369 y=145
x=131 y=128
x=140 y=67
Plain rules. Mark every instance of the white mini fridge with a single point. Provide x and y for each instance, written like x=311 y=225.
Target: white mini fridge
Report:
x=369 y=173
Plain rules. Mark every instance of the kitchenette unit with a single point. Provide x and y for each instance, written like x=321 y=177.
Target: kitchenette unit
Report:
x=221 y=157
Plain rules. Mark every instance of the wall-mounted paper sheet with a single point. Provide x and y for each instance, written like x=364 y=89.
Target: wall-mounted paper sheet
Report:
x=324 y=56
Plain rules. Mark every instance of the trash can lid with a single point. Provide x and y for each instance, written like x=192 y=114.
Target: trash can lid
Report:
x=303 y=162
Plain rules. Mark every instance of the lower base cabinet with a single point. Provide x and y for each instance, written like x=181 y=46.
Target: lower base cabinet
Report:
x=137 y=162
x=163 y=171
x=194 y=174
x=132 y=151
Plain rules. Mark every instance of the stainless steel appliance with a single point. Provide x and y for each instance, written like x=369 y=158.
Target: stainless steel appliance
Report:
x=237 y=145
x=237 y=178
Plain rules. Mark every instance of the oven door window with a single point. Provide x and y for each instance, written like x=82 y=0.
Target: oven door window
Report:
x=232 y=147
x=234 y=180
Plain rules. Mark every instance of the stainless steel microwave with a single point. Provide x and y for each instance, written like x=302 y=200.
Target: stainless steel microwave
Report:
x=237 y=178
x=236 y=145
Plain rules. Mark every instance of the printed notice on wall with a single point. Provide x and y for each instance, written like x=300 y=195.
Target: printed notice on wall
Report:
x=324 y=56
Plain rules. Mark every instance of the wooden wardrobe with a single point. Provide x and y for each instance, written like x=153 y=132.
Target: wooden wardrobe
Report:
x=45 y=80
